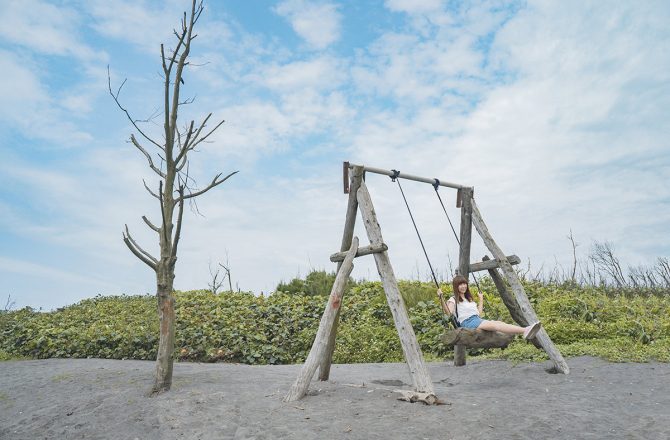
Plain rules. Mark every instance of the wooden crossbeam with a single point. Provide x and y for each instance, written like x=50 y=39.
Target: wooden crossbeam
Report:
x=365 y=250
x=488 y=264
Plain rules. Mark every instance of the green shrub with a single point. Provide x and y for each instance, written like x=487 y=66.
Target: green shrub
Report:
x=280 y=328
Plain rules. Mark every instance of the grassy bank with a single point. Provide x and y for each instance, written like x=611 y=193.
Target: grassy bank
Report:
x=279 y=328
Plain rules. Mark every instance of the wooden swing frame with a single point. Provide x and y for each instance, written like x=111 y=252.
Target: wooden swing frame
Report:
x=517 y=302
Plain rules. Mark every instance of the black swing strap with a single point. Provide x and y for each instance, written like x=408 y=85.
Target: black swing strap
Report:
x=394 y=178
x=436 y=185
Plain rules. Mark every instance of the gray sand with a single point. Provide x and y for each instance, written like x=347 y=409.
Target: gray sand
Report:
x=105 y=399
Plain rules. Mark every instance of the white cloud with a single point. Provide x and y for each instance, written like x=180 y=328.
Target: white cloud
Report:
x=317 y=23
x=137 y=23
x=45 y=28
x=318 y=74
x=29 y=106
x=415 y=6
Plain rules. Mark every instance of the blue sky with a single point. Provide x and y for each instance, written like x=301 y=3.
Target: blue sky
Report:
x=556 y=112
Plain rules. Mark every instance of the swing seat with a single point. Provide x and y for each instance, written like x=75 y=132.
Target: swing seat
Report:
x=476 y=338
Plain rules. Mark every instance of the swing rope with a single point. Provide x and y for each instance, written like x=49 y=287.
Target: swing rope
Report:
x=436 y=185
x=453 y=320
x=394 y=178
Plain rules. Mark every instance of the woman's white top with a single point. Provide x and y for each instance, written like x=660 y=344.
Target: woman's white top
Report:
x=466 y=309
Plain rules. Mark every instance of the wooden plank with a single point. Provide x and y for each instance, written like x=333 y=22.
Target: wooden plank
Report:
x=476 y=338
x=366 y=250
x=320 y=344
x=347 y=235
x=526 y=309
x=489 y=264
x=410 y=347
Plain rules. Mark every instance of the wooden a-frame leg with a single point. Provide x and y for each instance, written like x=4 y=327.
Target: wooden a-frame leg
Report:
x=410 y=346
x=316 y=354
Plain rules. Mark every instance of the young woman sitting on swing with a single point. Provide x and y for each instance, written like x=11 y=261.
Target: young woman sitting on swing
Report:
x=469 y=312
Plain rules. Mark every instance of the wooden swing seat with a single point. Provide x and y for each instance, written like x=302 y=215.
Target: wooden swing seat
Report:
x=476 y=338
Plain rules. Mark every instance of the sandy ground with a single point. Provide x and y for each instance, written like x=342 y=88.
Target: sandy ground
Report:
x=106 y=399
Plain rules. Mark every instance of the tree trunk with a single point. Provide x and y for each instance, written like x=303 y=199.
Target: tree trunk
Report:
x=166 y=316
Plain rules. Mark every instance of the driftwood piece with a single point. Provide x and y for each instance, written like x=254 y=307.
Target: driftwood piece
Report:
x=526 y=309
x=347 y=235
x=488 y=264
x=320 y=344
x=365 y=250
x=410 y=347
x=413 y=397
x=476 y=338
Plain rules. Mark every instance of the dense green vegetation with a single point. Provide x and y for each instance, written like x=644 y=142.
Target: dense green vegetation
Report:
x=279 y=328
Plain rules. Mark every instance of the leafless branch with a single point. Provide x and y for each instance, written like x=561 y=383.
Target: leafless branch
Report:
x=164 y=227
x=215 y=284
x=149 y=189
x=663 y=270
x=227 y=269
x=215 y=182
x=140 y=253
x=602 y=255
x=196 y=141
x=188 y=101
x=9 y=304
x=151 y=225
x=574 y=256
x=147 y=155
x=177 y=233
x=123 y=109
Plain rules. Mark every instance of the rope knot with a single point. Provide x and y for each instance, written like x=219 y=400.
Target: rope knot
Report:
x=395 y=175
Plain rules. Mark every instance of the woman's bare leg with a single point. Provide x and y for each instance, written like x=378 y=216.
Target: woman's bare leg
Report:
x=503 y=327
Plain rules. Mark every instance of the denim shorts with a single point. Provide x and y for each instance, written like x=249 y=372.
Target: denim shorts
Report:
x=472 y=322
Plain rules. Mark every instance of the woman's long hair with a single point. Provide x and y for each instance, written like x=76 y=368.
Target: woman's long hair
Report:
x=458 y=280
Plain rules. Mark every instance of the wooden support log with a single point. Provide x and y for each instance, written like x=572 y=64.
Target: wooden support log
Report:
x=507 y=297
x=489 y=264
x=464 y=202
x=365 y=250
x=526 y=309
x=320 y=344
x=476 y=338
x=459 y=355
x=410 y=347
x=465 y=233
x=347 y=235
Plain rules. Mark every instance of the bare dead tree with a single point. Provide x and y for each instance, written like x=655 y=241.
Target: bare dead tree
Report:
x=663 y=270
x=602 y=256
x=9 y=305
x=216 y=282
x=227 y=269
x=574 y=257
x=175 y=185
